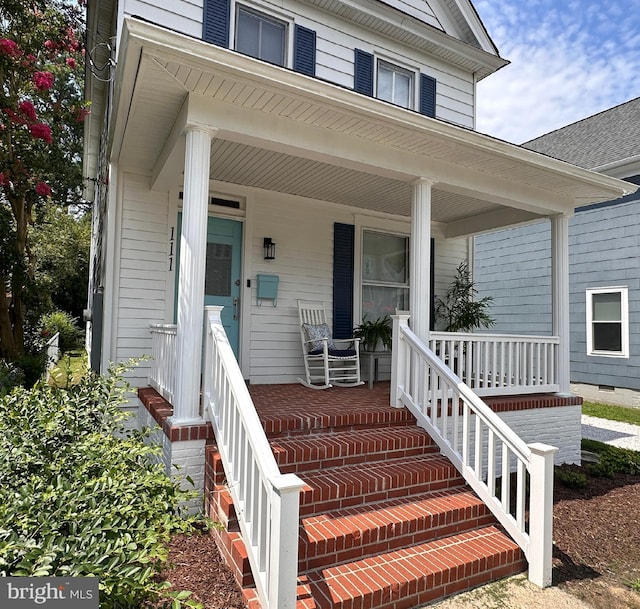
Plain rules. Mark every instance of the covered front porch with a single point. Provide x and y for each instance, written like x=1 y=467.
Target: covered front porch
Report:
x=493 y=445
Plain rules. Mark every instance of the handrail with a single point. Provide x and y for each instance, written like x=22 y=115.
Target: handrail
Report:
x=484 y=449
x=162 y=376
x=267 y=501
x=500 y=364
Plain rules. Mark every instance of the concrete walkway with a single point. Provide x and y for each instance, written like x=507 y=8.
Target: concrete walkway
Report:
x=622 y=435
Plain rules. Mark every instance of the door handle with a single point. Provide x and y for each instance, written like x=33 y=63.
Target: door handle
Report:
x=235 y=308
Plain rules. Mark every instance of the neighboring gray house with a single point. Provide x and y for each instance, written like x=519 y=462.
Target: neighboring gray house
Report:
x=514 y=265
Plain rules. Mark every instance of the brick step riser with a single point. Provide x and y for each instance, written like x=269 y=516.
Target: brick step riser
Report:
x=338 y=551
x=291 y=465
x=302 y=428
x=311 y=506
x=415 y=594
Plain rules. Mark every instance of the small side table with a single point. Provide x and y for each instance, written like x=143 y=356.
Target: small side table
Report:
x=374 y=357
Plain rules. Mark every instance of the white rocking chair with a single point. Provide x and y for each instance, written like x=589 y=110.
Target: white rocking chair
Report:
x=327 y=361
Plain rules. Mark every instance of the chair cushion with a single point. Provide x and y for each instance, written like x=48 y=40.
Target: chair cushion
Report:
x=335 y=352
x=315 y=333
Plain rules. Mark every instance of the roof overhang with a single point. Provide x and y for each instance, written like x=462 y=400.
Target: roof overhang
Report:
x=279 y=130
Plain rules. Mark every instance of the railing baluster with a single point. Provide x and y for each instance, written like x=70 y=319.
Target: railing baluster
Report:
x=491 y=462
x=506 y=479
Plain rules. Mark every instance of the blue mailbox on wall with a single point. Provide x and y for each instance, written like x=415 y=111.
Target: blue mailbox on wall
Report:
x=268 y=288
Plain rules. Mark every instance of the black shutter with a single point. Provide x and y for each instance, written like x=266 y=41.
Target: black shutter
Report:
x=215 y=22
x=427 y=95
x=363 y=72
x=343 y=244
x=304 y=51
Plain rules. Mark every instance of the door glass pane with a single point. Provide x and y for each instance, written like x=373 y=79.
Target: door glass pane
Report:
x=606 y=307
x=384 y=258
x=217 y=280
x=607 y=337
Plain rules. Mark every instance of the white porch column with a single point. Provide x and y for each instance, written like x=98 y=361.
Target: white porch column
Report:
x=193 y=248
x=420 y=258
x=560 y=290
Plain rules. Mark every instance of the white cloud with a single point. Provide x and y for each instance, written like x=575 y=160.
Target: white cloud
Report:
x=568 y=61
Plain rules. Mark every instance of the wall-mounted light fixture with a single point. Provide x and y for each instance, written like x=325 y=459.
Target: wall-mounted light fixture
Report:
x=269 y=249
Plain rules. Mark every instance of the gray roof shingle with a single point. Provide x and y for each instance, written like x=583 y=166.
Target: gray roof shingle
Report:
x=606 y=137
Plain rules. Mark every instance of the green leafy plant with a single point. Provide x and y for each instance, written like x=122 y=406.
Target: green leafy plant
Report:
x=374 y=333
x=613 y=460
x=10 y=376
x=458 y=311
x=84 y=497
x=66 y=326
x=571 y=479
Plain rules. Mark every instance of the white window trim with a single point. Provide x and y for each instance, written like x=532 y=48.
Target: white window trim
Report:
x=624 y=313
x=259 y=8
x=396 y=62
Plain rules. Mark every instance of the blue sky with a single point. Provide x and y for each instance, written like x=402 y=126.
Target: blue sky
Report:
x=569 y=59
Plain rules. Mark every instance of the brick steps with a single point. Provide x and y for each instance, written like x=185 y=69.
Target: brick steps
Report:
x=386 y=522
x=337 y=537
x=342 y=487
x=300 y=453
x=416 y=575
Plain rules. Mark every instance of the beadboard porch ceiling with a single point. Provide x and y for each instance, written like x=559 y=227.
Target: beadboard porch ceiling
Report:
x=282 y=131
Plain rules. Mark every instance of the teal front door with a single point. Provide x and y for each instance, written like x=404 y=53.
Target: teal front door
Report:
x=222 y=274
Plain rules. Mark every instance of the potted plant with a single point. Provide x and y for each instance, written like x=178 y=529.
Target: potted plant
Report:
x=458 y=311
x=376 y=335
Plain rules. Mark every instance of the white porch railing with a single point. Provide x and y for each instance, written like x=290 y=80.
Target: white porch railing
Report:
x=514 y=479
x=162 y=376
x=267 y=502
x=500 y=364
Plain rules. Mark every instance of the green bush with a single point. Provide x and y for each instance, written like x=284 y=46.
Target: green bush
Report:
x=10 y=376
x=571 y=479
x=70 y=333
x=613 y=460
x=82 y=497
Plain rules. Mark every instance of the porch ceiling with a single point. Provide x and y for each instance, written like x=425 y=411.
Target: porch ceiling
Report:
x=282 y=131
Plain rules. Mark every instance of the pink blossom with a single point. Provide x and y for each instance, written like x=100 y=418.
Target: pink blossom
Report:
x=27 y=109
x=71 y=62
x=81 y=113
x=43 y=80
x=43 y=189
x=49 y=44
x=41 y=131
x=9 y=47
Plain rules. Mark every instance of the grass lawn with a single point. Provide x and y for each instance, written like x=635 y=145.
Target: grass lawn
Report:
x=613 y=413
x=71 y=367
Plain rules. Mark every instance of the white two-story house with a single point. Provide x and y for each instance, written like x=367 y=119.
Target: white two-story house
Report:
x=245 y=155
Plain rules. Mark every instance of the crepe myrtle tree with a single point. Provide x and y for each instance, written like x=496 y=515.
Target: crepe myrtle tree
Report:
x=41 y=116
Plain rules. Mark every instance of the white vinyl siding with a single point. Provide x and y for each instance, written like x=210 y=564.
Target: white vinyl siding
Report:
x=336 y=40
x=608 y=321
x=142 y=273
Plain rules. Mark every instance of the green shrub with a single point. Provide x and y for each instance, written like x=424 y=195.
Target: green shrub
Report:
x=571 y=479
x=79 y=500
x=613 y=460
x=10 y=376
x=66 y=325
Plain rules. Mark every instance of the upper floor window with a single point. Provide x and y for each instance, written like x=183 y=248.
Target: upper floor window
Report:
x=395 y=84
x=608 y=322
x=261 y=36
